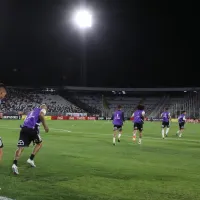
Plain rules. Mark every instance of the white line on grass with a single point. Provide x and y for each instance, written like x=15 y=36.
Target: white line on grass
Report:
x=124 y=134
x=5 y=198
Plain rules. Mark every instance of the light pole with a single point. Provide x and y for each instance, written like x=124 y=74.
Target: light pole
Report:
x=83 y=20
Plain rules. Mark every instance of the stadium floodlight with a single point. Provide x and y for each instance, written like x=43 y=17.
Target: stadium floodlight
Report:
x=83 y=19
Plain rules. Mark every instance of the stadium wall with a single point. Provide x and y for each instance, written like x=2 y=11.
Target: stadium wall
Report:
x=19 y=117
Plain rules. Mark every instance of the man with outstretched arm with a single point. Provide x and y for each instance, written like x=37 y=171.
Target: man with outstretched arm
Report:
x=30 y=133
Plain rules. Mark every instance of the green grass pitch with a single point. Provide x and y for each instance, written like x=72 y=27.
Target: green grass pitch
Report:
x=79 y=162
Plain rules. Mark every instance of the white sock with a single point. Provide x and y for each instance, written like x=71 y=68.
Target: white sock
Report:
x=167 y=131
x=178 y=132
x=163 y=133
x=119 y=135
x=114 y=140
x=140 y=140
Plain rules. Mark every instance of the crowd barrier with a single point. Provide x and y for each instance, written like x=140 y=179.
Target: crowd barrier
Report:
x=19 y=117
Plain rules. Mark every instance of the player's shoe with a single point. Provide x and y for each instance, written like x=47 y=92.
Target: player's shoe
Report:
x=139 y=142
x=166 y=135
x=31 y=162
x=134 y=139
x=15 y=169
x=114 y=144
x=118 y=140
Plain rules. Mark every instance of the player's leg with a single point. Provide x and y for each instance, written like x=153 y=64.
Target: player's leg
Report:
x=38 y=146
x=181 y=129
x=167 y=129
x=119 y=133
x=135 y=129
x=163 y=130
x=140 y=133
x=1 y=149
x=114 y=134
x=24 y=141
x=1 y=154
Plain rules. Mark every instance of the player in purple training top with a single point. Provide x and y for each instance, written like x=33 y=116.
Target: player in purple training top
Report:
x=118 y=121
x=165 y=122
x=181 y=121
x=138 y=121
x=30 y=133
x=2 y=95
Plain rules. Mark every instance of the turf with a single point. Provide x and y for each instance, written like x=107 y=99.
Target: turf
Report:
x=79 y=162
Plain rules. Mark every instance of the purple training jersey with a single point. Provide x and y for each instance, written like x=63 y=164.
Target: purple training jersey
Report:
x=138 y=116
x=32 y=120
x=165 y=116
x=181 y=118
x=118 y=118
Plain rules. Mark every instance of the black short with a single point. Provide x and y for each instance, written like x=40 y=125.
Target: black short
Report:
x=165 y=124
x=181 y=125
x=138 y=126
x=28 y=135
x=117 y=128
x=1 y=143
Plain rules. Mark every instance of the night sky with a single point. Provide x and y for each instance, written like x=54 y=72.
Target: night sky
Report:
x=133 y=43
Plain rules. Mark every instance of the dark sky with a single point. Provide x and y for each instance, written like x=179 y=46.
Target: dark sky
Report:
x=133 y=43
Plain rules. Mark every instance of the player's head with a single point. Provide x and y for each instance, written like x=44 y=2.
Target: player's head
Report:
x=2 y=91
x=140 y=107
x=43 y=106
x=184 y=112
x=119 y=107
x=166 y=109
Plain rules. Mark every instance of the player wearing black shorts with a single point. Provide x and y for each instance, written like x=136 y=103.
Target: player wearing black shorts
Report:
x=181 y=122
x=30 y=133
x=165 y=122
x=118 y=120
x=138 y=121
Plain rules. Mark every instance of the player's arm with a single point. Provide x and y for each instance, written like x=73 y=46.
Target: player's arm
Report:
x=42 y=114
x=170 y=118
x=132 y=115
x=184 y=119
x=143 y=115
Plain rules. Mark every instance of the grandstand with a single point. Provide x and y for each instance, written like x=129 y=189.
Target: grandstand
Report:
x=102 y=102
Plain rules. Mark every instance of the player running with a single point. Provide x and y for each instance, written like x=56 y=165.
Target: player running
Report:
x=30 y=133
x=165 y=123
x=181 y=121
x=138 y=122
x=2 y=95
x=118 y=120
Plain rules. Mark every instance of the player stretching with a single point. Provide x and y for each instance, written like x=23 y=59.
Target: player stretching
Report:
x=181 y=121
x=165 y=122
x=118 y=120
x=30 y=133
x=138 y=122
x=2 y=95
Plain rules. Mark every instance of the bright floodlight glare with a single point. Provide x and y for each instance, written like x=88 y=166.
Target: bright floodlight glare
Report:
x=83 y=19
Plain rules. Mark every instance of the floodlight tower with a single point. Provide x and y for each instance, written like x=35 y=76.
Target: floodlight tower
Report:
x=83 y=20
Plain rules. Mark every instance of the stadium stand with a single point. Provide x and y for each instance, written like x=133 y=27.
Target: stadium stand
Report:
x=25 y=100
x=100 y=103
